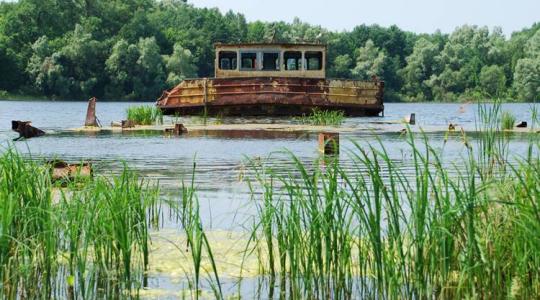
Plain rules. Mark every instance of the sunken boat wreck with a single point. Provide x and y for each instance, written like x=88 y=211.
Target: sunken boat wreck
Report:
x=272 y=80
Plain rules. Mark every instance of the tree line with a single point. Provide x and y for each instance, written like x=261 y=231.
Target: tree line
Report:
x=134 y=49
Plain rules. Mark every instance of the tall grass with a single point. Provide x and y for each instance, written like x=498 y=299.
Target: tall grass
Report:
x=383 y=229
x=145 y=115
x=77 y=242
x=197 y=241
x=322 y=117
x=465 y=230
x=507 y=120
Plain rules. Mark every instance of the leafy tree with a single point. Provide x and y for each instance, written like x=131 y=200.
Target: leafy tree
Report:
x=150 y=79
x=493 y=80
x=370 y=61
x=180 y=65
x=122 y=69
x=342 y=65
x=72 y=71
x=419 y=68
x=527 y=72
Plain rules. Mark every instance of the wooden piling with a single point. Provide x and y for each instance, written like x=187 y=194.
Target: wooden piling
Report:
x=329 y=143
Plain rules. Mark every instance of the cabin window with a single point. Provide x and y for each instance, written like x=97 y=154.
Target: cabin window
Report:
x=227 y=60
x=270 y=61
x=293 y=60
x=313 y=60
x=249 y=60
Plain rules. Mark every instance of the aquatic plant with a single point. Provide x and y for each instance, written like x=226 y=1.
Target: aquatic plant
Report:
x=446 y=231
x=144 y=115
x=507 y=120
x=197 y=241
x=322 y=117
x=78 y=242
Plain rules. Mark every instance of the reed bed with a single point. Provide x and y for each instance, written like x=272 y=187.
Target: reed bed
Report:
x=507 y=120
x=468 y=230
x=78 y=242
x=322 y=117
x=144 y=115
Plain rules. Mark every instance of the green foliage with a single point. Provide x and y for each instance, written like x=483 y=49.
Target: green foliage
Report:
x=419 y=69
x=492 y=80
x=370 y=61
x=508 y=120
x=134 y=49
x=68 y=242
x=375 y=232
x=527 y=73
x=144 y=115
x=180 y=65
x=322 y=117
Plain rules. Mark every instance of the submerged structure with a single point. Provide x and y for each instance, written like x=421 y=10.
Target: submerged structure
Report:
x=272 y=79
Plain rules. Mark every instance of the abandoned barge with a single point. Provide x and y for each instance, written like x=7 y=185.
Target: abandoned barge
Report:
x=272 y=80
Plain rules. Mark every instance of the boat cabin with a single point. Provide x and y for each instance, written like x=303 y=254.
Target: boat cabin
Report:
x=270 y=60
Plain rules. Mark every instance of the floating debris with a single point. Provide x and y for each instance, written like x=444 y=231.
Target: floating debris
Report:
x=178 y=129
x=329 y=143
x=522 y=124
x=60 y=170
x=128 y=124
x=25 y=129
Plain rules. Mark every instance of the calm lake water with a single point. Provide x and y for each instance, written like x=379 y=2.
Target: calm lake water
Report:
x=221 y=159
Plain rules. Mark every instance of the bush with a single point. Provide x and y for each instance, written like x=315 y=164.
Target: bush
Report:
x=144 y=115
x=507 y=120
x=323 y=117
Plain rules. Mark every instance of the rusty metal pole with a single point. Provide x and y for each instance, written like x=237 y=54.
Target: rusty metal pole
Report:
x=91 y=119
x=205 y=98
x=329 y=143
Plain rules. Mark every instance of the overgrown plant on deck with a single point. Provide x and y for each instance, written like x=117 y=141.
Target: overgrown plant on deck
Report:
x=144 y=115
x=507 y=120
x=322 y=117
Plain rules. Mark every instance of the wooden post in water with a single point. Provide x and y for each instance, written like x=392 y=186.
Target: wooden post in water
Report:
x=412 y=119
x=329 y=143
x=91 y=119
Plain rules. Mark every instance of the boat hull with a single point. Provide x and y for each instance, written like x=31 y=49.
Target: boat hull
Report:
x=272 y=96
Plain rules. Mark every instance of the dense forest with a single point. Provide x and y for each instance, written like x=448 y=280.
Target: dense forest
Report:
x=134 y=49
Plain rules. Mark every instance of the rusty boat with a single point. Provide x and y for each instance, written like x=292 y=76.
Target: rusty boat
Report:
x=272 y=80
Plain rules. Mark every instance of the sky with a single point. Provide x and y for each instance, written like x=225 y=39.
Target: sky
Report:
x=420 y=16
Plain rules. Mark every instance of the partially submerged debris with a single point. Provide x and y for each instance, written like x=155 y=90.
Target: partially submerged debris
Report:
x=411 y=119
x=128 y=124
x=91 y=119
x=60 y=170
x=522 y=124
x=25 y=129
x=178 y=129
x=329 y=143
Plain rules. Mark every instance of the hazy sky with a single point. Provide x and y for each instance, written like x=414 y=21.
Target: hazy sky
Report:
x=412 y=15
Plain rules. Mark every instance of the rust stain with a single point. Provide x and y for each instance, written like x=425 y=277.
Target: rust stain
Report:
x=273 y=96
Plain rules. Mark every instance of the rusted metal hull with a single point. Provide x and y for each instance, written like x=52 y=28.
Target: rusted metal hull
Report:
x=279 y=96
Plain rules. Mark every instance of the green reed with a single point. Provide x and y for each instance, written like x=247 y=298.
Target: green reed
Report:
x=145 y=115
x=76 y=242
x=507 y=120
x=322 y=117
x=445 y=231
x=197 y=241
